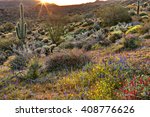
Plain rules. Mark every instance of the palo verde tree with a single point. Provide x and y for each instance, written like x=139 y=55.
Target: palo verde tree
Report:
x=112 y=14
x=21 y=27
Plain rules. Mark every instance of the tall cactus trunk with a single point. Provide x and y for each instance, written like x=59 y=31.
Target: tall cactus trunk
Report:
x=138 y=7
x=21 y=27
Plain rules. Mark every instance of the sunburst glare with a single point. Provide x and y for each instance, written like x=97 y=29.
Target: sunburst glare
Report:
x=66 y=2
x=44 y=5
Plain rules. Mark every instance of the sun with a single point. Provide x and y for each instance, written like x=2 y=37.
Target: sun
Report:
x=43 y=1
x=46 y=1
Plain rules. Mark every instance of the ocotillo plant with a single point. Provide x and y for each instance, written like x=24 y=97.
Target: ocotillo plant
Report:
x=21 y=27
x=138 y=7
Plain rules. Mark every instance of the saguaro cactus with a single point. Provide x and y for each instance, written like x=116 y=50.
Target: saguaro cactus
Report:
x=21 y=27
x=138 y=7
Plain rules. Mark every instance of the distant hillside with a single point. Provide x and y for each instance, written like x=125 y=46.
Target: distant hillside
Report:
x=15 y=3
x=10 y=8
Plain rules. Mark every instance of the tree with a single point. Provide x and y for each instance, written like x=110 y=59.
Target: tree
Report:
x=114 y=14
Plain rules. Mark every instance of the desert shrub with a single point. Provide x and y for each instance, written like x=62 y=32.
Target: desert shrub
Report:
x=71 y=45
x=114 y=14
x=145 y=28
x=79 y=31
x=33 y=69
x=96 y=26
x=7 y=27
x=136 y=19
x=97 y=37
x=89 y=15
x=70 y=28
x=120 y=27
x=67 y=45
x=143 y=14
x=96 y=46
x=131 y=7
x=148 y=8
x=76 y=18
x=87 y=23
x=132 y=12
x=131 y=41
x=6 y=43
x=38 y=44
x=134 y=29
x=17 y=62
x=147 y=36
x=145 y=4
x=58 y=19
x=115 y=36
x=87 y=46
x=69 y=60
x=2 y=57
x=143 y=18
x=28 y=50
x=47 y=49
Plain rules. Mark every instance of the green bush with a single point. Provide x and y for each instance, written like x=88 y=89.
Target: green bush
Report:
x=18 y=63
x=33 y=70
x=143 y=14
x=131 y=42
x=6 y=43
x=114 y=14
x=115 y=36
x=71 y=45
x=145 y=28
x=147 y=36
x=76 y=18
x=79 y=31
x=148 y=8
x=145 y=17
x=132 y=12
x=7 y=27
x=2 y=57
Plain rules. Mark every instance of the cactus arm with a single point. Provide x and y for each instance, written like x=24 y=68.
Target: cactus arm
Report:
x=18 y=34
x=18 y=30
x=25 y=30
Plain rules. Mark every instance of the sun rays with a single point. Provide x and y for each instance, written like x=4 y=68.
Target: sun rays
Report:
x=43 y=5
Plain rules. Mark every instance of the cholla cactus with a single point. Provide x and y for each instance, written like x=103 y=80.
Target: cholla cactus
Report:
x=21 y=26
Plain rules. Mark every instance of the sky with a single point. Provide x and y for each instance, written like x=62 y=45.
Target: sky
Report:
x=68 y=2
x=62 y=2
